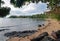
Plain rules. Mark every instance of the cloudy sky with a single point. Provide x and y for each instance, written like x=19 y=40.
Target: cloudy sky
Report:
x=31 y=9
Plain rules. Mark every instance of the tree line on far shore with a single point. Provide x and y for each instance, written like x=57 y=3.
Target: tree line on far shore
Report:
x=41 y=16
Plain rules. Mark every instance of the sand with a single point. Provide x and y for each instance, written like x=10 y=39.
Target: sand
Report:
x=51 y=25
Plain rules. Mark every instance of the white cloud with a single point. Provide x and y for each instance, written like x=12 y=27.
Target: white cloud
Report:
x=31 y=9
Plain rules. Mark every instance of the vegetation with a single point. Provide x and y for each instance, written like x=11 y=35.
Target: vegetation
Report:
x=33 y=16
x=53 y=4
x=19 y=3
x=55 y=16
x=42 y=16
x=4 y=10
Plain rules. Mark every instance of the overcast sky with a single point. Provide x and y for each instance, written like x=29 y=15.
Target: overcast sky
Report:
x=31 y=9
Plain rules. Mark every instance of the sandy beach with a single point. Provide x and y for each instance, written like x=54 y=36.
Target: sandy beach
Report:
x=51 y=25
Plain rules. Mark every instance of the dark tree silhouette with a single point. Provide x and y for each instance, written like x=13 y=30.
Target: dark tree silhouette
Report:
x=3 y=10
x=19 y=3
x=0 y=3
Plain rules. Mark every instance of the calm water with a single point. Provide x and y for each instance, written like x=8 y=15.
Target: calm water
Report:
x=18 y=24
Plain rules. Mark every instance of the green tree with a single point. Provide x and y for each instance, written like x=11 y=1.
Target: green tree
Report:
x=53 y=4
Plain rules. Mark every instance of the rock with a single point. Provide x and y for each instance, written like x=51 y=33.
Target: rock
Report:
x=29 y=31
x=39 y=25
x=10 y=34
x=58 y=34
x=58 y=39
x=19 y=34
x=54 y=34
x=3 y=29
x=46 y=38
x=43 y=24
x=40 y=37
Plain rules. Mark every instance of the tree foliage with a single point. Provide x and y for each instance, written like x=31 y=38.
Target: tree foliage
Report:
x=19 y=3
x=4 y=10
x=53 y=4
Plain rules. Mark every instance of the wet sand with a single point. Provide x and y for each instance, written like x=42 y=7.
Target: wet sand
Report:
x=51 y=25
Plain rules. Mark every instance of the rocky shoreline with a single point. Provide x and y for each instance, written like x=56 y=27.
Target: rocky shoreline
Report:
x=43 y=33
x=20 y=33
x=3 y=29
